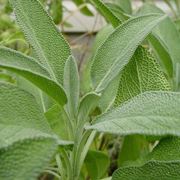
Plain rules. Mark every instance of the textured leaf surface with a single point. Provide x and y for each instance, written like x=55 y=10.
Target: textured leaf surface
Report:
x=150 y=113
x=26 y=159
x=49 y=45
x=31 y=70
x=71 y=85
x=119 y=47
x=106 y=12
x=140 y=75
x=167 y=35
x=26 y=141
x=162 y=163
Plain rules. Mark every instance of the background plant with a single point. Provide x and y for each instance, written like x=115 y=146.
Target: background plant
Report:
x=51 y=114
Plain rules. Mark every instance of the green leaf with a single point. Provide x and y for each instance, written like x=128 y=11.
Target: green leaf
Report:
x=87 y=105
x=26 y=159
x=28 y=68
x=56 y=10
x=71 y=86
x=167 y=35
x=49 y=45
x=19 y=108
x=162 y=163
x=119 y=47
x=26 y=140
x=57 y=119
x=162 y=54
x=97 y=164
x=125 y=5
x=118 y=11
x=150 y=171
x=150 y=113
x=106 y=12
x=133 y=147
x=85 y=10
x=140 y=75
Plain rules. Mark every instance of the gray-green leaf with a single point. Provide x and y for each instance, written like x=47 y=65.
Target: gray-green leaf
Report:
x=119 y=47
x=49 y=45
x=28 y=68
x=71 y=85
x=150 y=113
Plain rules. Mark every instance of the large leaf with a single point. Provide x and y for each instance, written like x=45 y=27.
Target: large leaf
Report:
x=49 y=45
x=162 y=163
x=168 y=37
x=150 y=113
x=106 y=12
x=141 y=74
x=119 y=47
x=71 y=85
x=26 y=159
x=31 y=70
x=26 y=140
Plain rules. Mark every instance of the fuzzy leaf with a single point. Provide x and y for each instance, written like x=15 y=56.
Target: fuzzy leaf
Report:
x=28 y=68
x=119 y=47
x=162 y=163
x=150 y=113
x=48 y=43
x=140 y=75
x=71 y=85
x=26 y=140
x=168 y=37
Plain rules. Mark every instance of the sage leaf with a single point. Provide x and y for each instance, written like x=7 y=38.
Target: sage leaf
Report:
x=162 y=163
x=28 y=68
x=49 y=45
x=119 y=47
x=142 y=74
x=71 y=85
x=168 y=37
x=150 y=113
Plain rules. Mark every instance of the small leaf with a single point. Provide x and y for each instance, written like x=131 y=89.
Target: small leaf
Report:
x=57 y=119
x=85 y=10
x=48 y=43
x=119 y=47
x=71 y=85
x=150 y=113
x=28 y=68
x=106 y=12
x=97 y=164
x=87 y=104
